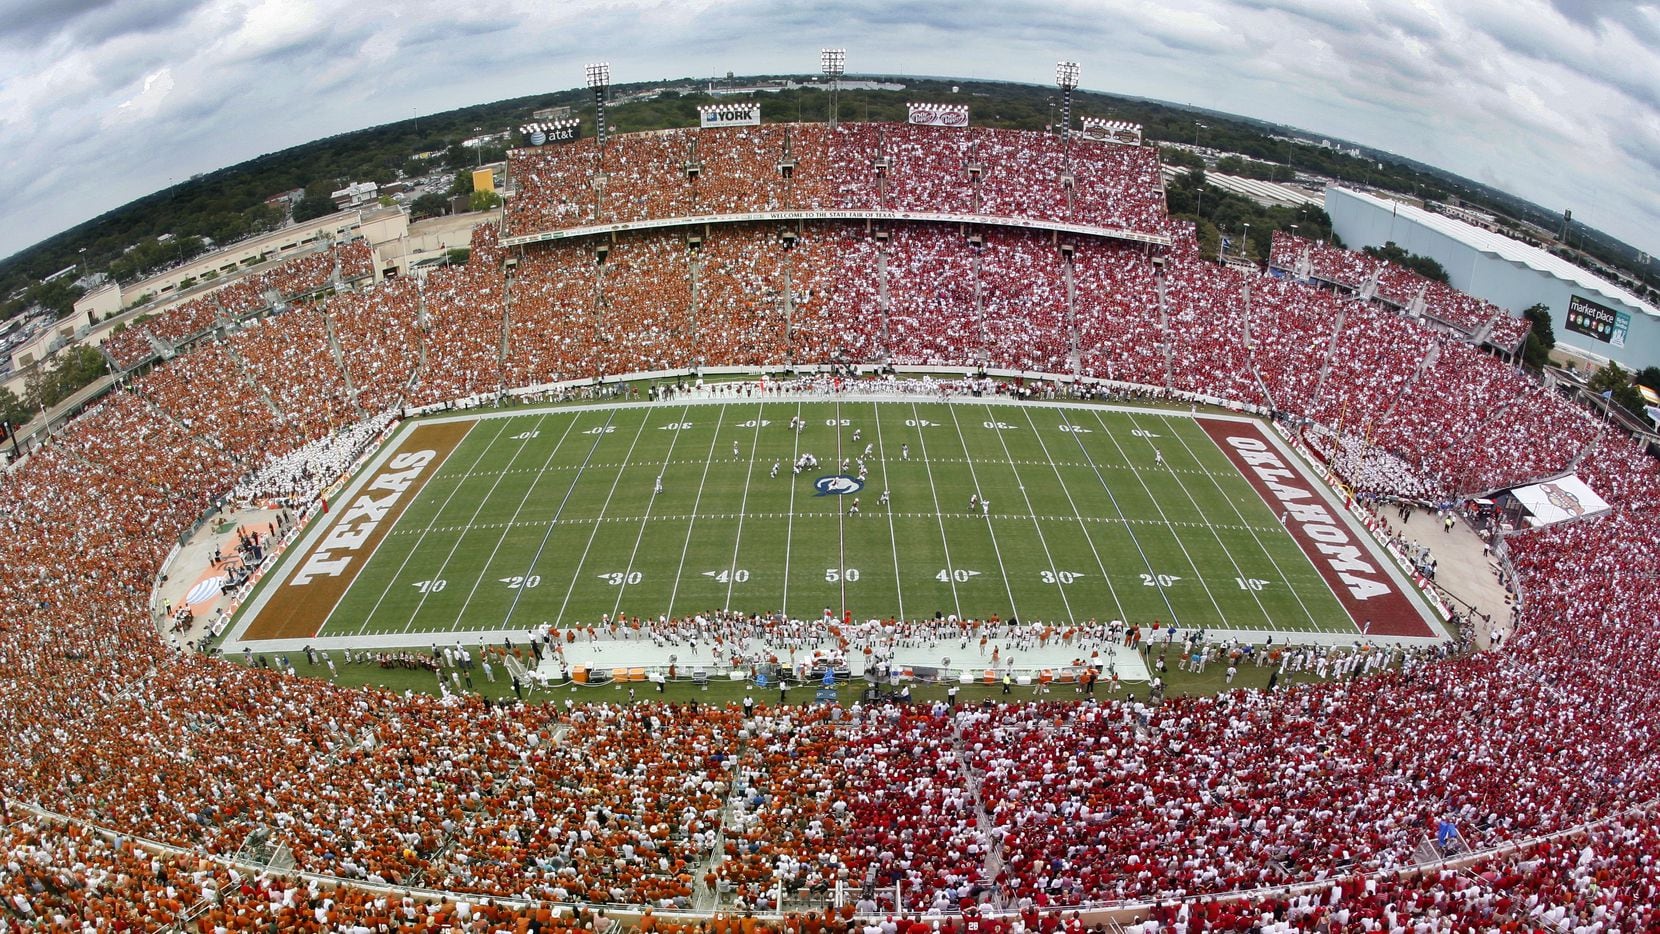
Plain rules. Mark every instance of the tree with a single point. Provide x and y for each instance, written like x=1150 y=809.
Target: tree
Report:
x=1422 y=265
x=1180 y=158
x=1614 y=383
x=67 y=373
x=1536 y=349
x=458 y=255
x=430 y=204
x=485 y=200
x=463 y=183
x=310 y=208
x=14 y=411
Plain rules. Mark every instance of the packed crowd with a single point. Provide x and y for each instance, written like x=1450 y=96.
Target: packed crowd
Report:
x=462 y=319
x=300 y=475
x=246 y=295
x=887 y=166
x=922 y=295
x=1399 y=286
x=1045 y=804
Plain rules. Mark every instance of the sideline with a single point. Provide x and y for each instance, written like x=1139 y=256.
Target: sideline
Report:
x=643 y=653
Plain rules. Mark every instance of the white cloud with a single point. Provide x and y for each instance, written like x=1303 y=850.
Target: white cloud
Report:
x=1557 y=101
x=145 y=104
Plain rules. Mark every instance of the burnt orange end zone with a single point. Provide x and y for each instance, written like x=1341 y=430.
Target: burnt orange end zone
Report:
x=297 y=610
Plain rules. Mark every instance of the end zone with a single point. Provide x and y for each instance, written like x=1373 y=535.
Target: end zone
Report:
x=1368 y=589
x=297 y=601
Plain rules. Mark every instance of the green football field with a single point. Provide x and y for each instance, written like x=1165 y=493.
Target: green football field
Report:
x=554 y=516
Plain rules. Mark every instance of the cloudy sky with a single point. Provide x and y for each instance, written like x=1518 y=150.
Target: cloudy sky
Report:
x=102 y=101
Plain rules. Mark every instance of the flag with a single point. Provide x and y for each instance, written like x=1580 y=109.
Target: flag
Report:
x=1608 y=393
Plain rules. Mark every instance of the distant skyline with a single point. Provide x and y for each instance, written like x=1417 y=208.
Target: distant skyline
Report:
x=1555 y=101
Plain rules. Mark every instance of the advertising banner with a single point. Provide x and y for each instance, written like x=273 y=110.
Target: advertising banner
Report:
x=747 y=113
x=1112 y=131
x=949 y=115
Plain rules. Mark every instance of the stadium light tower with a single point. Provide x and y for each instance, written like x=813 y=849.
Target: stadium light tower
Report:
x=599 y=80
x=833 y=62
x=1066 y=75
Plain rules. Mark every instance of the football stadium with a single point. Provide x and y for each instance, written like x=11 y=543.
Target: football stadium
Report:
x=885 y=526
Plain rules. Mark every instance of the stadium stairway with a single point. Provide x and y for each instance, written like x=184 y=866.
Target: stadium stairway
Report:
x=247 y=375
x=883 y=298
x=1250 y=349
x=1164 y=333
x=1074 y=359
x=694 y=279
x=1331 y=349
x=978 y=265
x=339 y=355
x=502 y=346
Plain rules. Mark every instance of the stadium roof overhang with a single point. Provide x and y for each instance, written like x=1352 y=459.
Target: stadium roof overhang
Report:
x=568 y=233
x=1505 y=248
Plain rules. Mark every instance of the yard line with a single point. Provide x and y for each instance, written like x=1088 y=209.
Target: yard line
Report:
x=1074 y=504
x=674 y=590
x=743 y=506
x=507 y=529
x=1128 y=525
x=431 y=525
x=674 y=439
x=1267 y=617
x=587 y=459
x=1198 y=575
x=373 y=551
x=1260 y=544
x=616 y=479
x=484 y=500
x=1043 y=540
x=789 y=527
x=893 y=539
x=950 y=569
x=996 y=549
x=841 y=518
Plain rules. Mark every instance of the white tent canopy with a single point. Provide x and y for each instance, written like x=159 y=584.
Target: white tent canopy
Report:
x=1559 y=500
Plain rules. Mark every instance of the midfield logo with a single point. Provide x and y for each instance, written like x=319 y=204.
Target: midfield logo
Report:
x=837 y=485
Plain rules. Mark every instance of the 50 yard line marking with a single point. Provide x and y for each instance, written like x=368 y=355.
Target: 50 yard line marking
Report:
x=789 y=527
x=893 y=539
x=674 y=591
x=841 y=519
x=396 y=575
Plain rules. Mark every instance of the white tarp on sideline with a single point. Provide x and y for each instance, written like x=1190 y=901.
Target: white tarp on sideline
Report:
x=1558 y=500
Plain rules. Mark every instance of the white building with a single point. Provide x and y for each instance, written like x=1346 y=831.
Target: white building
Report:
x=1592 y=316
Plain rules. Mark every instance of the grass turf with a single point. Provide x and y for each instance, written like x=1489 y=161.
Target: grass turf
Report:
x=552 y=515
